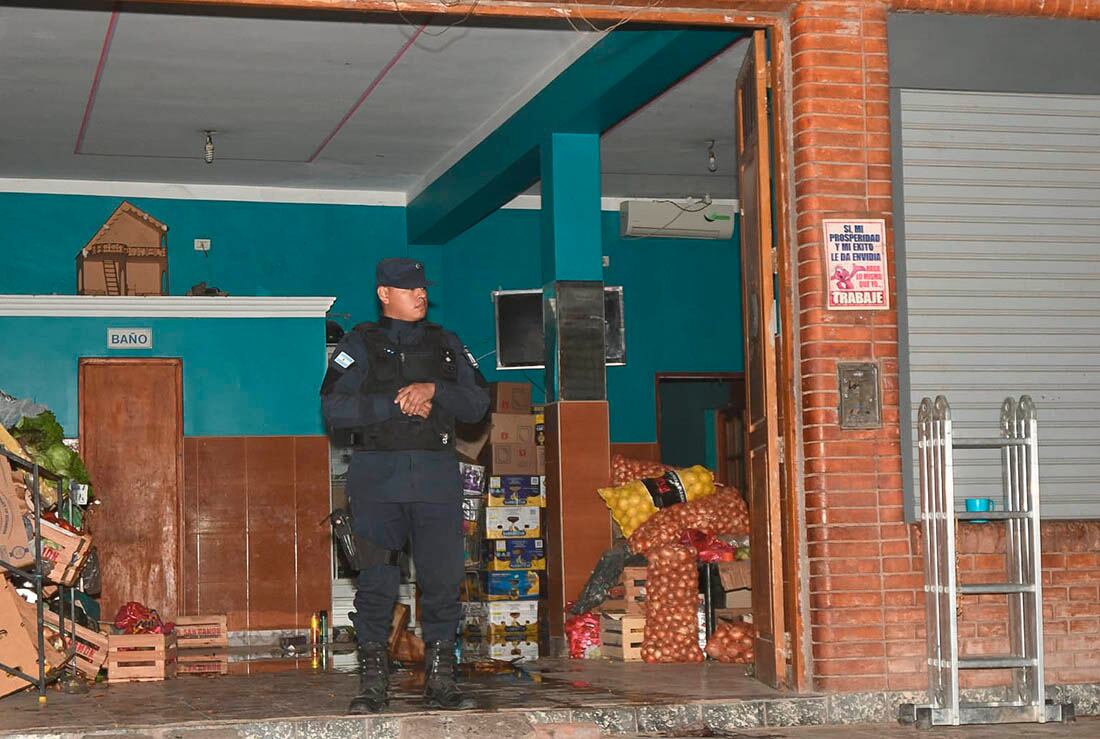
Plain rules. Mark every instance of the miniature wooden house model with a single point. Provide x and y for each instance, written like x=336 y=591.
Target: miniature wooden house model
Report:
x=127 y=256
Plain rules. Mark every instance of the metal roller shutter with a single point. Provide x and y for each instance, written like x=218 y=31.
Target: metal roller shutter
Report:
x=999 y=278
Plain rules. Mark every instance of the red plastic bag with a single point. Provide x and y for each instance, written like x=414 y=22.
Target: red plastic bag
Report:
x=134 y=618
x=583 y=634
x=709 y=548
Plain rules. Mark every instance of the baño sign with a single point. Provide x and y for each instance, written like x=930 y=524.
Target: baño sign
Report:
x=129 y=338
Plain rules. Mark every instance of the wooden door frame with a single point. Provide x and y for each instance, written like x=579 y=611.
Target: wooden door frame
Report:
x=177 y=363
x=773 y=17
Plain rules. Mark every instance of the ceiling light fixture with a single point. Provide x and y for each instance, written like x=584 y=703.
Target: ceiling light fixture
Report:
x=208 y=148
x=712 y=158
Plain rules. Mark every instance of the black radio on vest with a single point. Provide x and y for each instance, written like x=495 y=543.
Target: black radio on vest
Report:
x=394 y=366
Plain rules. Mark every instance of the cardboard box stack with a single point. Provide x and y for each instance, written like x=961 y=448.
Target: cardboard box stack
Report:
x=504 y=578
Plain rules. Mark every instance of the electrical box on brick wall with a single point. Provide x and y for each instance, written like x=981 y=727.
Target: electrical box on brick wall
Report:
x=860 y=399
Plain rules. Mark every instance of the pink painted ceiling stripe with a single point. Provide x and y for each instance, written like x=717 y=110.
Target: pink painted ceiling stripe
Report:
x=366 y=93
x=95 y=80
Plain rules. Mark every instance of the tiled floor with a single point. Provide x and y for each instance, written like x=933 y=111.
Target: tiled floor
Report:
x=299 y=688
x=305 y=698
x=1082 y=729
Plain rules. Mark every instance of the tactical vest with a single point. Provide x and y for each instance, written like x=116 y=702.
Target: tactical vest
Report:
x=393 y=366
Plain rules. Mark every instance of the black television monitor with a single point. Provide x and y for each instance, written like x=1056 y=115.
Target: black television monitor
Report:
x=519 y=328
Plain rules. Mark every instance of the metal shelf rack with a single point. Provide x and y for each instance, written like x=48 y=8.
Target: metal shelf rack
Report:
x=36 y=573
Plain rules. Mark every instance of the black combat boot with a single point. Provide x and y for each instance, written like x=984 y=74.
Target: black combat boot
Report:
x=374 y=679
x=440 y=689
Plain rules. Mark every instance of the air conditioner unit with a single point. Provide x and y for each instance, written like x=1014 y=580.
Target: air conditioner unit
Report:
x=668 y=219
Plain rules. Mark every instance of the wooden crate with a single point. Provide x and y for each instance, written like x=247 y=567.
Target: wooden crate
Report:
x=621 y=636
x=202 y=662
x=141 y=657
x=91 y=646
x=629 y=595
x=201 y=632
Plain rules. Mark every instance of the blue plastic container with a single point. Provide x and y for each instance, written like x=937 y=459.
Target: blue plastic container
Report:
x=980 y=505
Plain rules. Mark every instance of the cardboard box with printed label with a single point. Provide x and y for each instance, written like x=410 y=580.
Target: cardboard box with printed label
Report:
x=64 y=550
x=514 y=459
x=510 y=585
x=511 y=397
x=19 y=642
x=506 y=490
x=91 y=646
x=471 y=514
x=514 y=554
x=475 y=618
x=512 y=428
x=501 y=617
x=513 y=522
x=514 y=617
x=540 y=425
x=473 y=478
x=506 y=648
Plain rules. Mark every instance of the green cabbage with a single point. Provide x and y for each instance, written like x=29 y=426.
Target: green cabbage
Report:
x=41 y=431
x=42 y=435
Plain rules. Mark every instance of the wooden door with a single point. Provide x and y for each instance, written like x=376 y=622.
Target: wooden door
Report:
x=761 y=414
x=731 y=447
x=131 y=437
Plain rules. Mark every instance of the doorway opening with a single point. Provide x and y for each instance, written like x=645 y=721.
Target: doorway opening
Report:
x=700 y=420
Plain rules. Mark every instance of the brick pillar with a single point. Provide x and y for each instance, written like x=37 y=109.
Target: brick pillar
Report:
x=862 y=583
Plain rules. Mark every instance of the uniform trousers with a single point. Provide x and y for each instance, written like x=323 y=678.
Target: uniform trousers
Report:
x=435 y=532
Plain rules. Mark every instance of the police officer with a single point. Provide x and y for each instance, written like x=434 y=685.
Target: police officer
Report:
x=397 y=387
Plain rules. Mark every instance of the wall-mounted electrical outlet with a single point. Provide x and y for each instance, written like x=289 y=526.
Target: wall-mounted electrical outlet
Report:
x=202 y=244
x=606 y=261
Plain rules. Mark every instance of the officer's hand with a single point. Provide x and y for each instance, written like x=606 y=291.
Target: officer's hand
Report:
x=423 y=410
x=412 y=397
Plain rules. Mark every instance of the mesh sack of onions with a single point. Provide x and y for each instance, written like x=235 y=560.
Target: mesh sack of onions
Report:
x=625 y=469
x=672 y=587
x=732 y=642
x=721 y=513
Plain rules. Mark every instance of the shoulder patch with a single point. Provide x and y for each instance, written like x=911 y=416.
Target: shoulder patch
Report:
x=470 y=357
x=344 y=360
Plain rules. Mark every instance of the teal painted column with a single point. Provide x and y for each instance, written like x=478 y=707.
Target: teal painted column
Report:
x=578 y=451
x=571 y=241
x=572 y=267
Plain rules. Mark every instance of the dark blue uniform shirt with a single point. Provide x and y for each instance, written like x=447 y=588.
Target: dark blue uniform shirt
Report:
x=400 y=476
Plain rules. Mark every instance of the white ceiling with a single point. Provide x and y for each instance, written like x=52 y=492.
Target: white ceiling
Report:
x=277 y=87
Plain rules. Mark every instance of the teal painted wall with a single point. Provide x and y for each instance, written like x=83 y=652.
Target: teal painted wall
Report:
x=682 y=301
x=241 y=376
x=258 y=248
x=682 y=298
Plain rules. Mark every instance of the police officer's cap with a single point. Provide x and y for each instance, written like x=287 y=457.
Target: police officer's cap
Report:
x=401 y=272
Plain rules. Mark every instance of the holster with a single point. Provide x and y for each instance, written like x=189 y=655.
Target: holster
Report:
x=360 y=552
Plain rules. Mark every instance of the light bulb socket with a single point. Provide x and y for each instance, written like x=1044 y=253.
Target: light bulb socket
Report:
x=712 y=158
x=208 y=148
